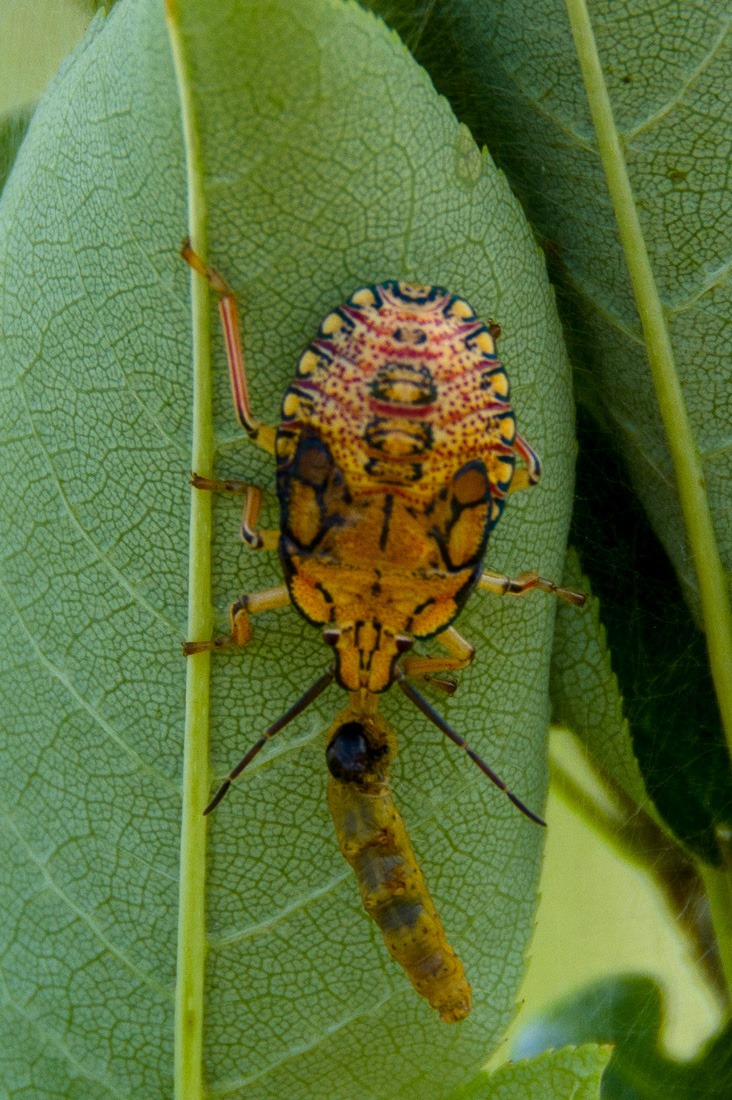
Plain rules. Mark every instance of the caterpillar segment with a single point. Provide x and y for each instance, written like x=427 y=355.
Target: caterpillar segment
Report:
x=396 y=450
x=373 y=839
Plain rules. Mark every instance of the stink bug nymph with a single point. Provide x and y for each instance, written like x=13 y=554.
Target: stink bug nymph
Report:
x=395 y=452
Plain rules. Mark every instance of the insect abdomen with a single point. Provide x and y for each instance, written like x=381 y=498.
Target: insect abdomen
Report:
x=373 y=839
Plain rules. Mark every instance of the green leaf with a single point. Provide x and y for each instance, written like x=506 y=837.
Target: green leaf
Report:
x=325 y=161
x=403 y=156
x=12 y=131
x=657 y=654
x=574 y=1073
x=511 y=71
x=628 y=1012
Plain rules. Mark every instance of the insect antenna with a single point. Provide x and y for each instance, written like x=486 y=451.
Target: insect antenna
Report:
x=297 y=708
x=439 y=721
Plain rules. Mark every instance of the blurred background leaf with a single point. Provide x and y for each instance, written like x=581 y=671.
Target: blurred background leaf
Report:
x=628 y=1012
x=35 y=37
x=12 y=131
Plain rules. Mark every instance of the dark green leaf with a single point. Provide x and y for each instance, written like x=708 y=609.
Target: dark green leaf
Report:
x=12 y=132
x=657 y=654
x=628 y=1012
x=511 y=72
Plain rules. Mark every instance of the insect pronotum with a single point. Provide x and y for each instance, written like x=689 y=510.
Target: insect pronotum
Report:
x=395 y=451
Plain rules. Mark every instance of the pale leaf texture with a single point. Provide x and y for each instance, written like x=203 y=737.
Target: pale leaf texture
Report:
x=573 y=1073
x=327 y=161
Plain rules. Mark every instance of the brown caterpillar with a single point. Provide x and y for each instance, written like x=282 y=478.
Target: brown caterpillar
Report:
x=373 y=838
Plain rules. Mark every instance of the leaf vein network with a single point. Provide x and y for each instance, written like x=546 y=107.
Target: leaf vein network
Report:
x=62 y=678
x=675 y=100
x=100 y=555
x=86 y=918
x=305 y=1048
x=62 y=1049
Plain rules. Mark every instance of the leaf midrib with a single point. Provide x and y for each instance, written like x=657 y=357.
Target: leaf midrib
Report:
x=189 y=997
x=680 y=437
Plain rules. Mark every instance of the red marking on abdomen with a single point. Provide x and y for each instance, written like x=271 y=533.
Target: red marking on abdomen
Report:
x=410 y=412
x=493 y=406
x=307 y=384
x=395 y=353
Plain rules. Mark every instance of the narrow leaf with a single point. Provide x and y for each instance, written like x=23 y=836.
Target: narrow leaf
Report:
x=327 y=161
x=658 y=656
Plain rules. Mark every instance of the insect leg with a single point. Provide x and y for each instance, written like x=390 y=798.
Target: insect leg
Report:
x=262 y=434
x=530 y=474
x=439 y=721
x=265 y=539
x=241 y=631
x=461 y=654
x=501 y=585
x=297 y=708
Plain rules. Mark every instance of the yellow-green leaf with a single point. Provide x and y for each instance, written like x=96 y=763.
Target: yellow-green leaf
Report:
x=572 y=1073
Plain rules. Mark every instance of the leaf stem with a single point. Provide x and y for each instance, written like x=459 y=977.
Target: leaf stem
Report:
x=718 y=883
x=189 y=998
x=682 y=445
x=634 y=834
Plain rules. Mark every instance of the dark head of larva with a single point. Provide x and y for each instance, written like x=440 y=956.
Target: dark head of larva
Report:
x=350 y=755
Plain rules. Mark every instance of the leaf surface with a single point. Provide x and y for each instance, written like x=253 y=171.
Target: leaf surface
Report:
x=326 y=161
x=573 y=1073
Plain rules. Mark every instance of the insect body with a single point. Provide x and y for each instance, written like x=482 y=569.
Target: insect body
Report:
x=395 y=453
x=396 y=449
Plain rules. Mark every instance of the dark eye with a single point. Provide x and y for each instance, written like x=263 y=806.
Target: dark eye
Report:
x=313 y=462
x=470 y=484
x=348 y=753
